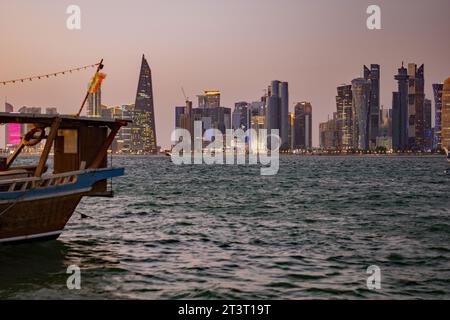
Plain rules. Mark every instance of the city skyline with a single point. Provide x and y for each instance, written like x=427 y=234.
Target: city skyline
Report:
x=314 y=63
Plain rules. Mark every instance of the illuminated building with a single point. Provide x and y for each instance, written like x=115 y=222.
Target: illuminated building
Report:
x=361 y=116
x=437 y=90
x=240 y=116
x=211 y=99
x=446 y=114
x=277 y=111
x=291 y=136
x=384 y=139
x=94 y=103
x=428 y=130
x=344 y=106
x=303 y=125
x=258 y=143
x=416 y=96
x=400 y=120
x=373 y=75
x=144 y=128
x=329 y=135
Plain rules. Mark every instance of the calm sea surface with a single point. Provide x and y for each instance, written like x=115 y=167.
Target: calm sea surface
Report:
x=209 y=232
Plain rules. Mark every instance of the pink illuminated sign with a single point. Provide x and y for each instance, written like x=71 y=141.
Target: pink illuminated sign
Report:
x=13 y=133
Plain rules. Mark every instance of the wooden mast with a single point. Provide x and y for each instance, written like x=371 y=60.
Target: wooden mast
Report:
x=99 y=67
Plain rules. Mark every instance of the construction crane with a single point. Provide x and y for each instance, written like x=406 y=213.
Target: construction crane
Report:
x=186 y=99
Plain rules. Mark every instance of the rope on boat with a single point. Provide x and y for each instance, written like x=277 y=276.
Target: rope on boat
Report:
x=13 y=204
x=16 y=201
x=46 y=76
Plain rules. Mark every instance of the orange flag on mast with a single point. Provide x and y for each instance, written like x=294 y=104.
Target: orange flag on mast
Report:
x=96 y=82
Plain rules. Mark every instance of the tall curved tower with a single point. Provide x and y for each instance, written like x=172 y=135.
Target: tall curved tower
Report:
x=144 y=129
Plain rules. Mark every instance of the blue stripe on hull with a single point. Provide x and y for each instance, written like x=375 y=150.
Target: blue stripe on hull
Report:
x=84 y=182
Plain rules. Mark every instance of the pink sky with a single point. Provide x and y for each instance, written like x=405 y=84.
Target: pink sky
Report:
x=236 y=46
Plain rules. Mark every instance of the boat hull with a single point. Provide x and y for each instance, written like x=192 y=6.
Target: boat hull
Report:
x=41 y=213
x=40 y=219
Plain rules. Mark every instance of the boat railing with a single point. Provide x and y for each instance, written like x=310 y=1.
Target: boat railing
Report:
x=24 y=184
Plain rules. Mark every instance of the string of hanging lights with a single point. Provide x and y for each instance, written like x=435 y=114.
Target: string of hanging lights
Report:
x=47 y=76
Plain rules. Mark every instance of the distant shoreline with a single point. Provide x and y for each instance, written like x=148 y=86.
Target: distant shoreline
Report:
x=290 y=155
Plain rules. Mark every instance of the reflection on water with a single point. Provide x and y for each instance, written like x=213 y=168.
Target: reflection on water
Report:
x=38 y=270
x=226 y=232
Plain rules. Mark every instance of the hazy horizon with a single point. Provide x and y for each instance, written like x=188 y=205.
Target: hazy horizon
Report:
x=234 y=46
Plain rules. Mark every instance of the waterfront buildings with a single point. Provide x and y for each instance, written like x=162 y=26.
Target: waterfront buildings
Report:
x=184 y=118
x=179 y=111
x=210 y=99
x=446 y=114
x=344 y=101
x=416 y=114
x=123 y=140
x=361 y=114
x=437 y=91
x=373 y=76
x=51 y=110
x=302 y=125
x=258 y=143
x=291 y=134
x=384 y=139
x=284 y=114
x=144 y=129
x=428 y=126
x=400 y=120
x=411 y=118
x=213 y=118
x=364 y=128
x=10 y=133
x=241 y=116
x=94 y=103
x=277 y=111
x=257 y=108
x=356 y=125
x=24 y=128
x=329 y=134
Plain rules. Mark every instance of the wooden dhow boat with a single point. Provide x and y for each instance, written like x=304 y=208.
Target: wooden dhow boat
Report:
x=35 y=205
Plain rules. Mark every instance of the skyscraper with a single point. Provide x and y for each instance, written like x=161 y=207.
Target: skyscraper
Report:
x=210 y=99
x=273 y=107
x=291 y=134
x=277 y=112
x=385 y=122
x=400 y=122
x=144 y=131
x=362 y=117
x=437 y=90
x=416 y=96
x=94 y=104
x=241 y=116
x=211 y=115
x=122 y=141
x=344 y=120
x=384 y=139
x=303 y=125
x=284 y=114
x=373 y=75
x=184 y=118
x=428 y=132
x=329 y=135
x=446 y=114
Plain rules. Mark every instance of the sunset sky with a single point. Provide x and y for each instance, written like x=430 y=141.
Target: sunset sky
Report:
x=236 y=46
